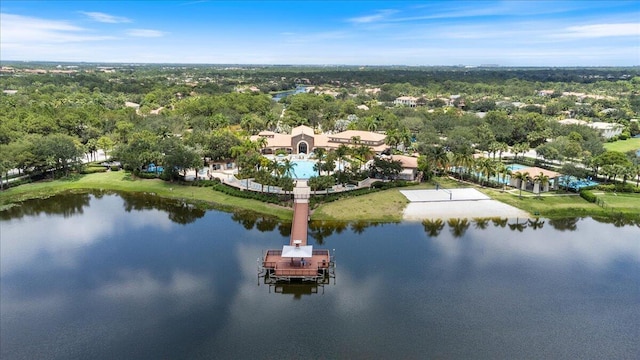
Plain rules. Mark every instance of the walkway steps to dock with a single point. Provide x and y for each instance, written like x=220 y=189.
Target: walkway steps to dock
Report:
x=301 y=194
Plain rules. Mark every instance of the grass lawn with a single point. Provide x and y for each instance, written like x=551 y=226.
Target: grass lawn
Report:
x=122 y=181
x=621 y=202
x=623 y=145
x=568 y=205
x=385 y=206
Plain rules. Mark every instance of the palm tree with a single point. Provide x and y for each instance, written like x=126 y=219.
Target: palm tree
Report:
x=425 y=167
x=440 y=158
x=542 y=181
x=341 y=153
x=522 y=178
x=486 y=167
x=405 y=138
x=288 y=167
x=273 y=167
x=461 y=161
x=501 y=169
x=363 y=153
x=262 y=142
x=493 y=148
x=520 y=148
x=320 y=155
x=393 y=138
x=502 y=147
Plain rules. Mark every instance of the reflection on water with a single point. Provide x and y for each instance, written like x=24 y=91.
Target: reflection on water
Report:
x=65 y=204
x=297 y=290
x=109 y=276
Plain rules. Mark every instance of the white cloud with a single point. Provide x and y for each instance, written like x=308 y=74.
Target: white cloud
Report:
x=602 y=30
x=105 y=18
x=18 y=29
x=145 y=33
x=379 y=16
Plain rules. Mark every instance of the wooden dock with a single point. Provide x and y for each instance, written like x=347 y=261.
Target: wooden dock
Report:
x=298 y=260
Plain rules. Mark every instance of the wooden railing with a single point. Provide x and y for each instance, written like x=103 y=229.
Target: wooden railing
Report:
x=269 y=264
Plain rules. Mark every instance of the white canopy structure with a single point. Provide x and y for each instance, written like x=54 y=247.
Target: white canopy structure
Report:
x=297 y=251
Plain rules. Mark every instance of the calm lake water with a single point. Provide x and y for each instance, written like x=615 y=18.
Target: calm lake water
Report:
x=104 y=276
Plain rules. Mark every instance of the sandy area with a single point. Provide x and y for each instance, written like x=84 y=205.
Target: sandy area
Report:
x=464 y=203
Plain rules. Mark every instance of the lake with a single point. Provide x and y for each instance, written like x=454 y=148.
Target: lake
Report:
x=107 y=276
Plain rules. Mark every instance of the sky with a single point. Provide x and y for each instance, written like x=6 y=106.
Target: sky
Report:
x=418 y=33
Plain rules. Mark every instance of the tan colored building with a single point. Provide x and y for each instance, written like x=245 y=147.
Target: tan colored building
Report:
x=532 y=185
x=409 y=167
x=303 y=140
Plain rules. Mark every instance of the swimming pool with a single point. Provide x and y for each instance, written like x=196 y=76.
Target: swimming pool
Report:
x=516 y=167
x=303 y=169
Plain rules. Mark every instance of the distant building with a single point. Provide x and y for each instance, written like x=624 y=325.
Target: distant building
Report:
x=130 y=104
x=406 y=101
x=545 y=92
x=607 y=130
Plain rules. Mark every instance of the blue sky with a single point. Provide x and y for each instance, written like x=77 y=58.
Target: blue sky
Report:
x=508 y=33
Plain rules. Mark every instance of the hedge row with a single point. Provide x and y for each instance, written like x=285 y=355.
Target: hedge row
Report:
x=229 y=190
x=93 y=169
x=626 y=188
x=588 y=195
x=144 y=174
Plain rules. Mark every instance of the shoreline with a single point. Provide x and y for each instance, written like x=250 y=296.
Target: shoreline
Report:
x=385 y=206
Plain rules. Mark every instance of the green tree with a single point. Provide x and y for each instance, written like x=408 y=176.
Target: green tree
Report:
x=58 y=151
x=542 y=181
x=522 y=178
x=106 y=144
x=178 y=156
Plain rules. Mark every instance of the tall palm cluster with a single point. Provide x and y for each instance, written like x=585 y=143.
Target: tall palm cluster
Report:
x=484 y=170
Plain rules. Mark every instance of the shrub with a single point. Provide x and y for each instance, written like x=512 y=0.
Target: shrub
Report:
x=93 y=169
x=228 y=190
x=115 y=168
x=389 y=185
x=146 y=175
x=588 y=195
x=626 y=188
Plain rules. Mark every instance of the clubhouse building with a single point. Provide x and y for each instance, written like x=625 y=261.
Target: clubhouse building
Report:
x=303 y=140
